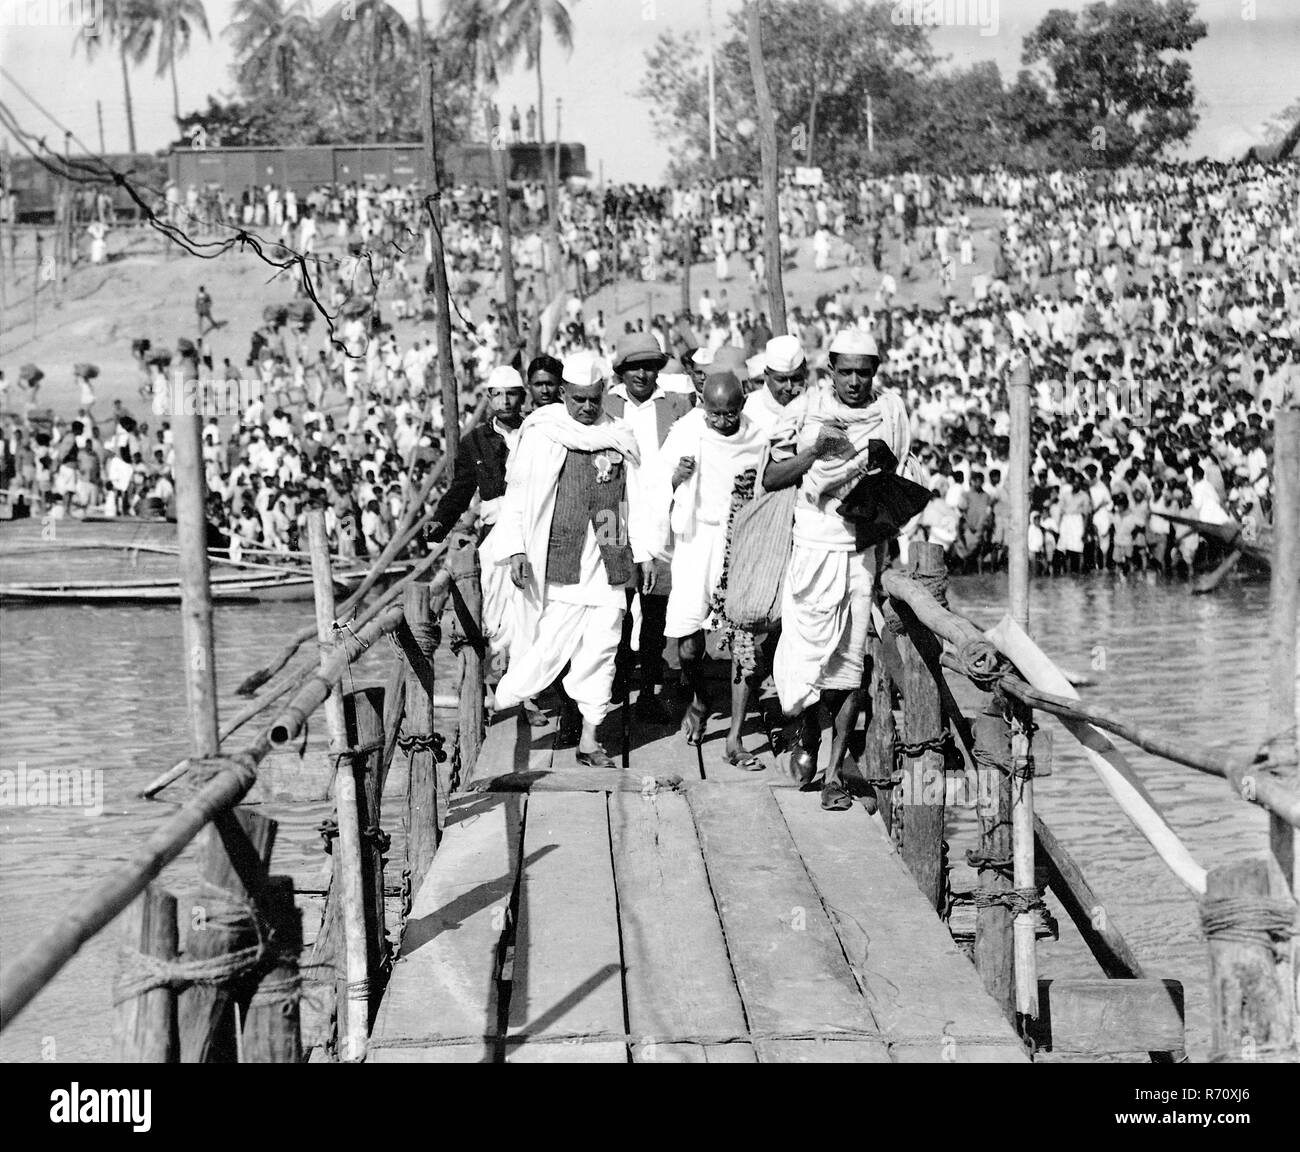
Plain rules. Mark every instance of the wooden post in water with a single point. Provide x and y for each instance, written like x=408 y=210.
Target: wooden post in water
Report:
x=1022 y=851
x=467 y=597
x=770 y=160
x=272 y=1032
x=920 y=801
x=1284 y=618
x=441 y=299
x=353 y=1005
x=994 y=948
x=1018 y=494
x=1247 y=915
x=422 y=814
x=144 y=1027
x=235 y=859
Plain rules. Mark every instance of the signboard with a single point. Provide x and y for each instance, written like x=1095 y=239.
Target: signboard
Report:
x=808 y=177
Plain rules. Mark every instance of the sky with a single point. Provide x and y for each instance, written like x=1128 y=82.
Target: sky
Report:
x=1245 y=71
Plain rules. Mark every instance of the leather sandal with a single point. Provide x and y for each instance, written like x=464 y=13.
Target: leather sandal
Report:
x=835 y=797
x=745 y=761
x=597 y=759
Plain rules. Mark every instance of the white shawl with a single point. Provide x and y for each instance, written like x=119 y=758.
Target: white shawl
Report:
x=691 y=436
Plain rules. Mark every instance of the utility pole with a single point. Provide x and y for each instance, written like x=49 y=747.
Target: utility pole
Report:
x=871 y=126
x=99 y=114
x=767 y=149
x=713 y=101
x=499 y=153
x=441 y=301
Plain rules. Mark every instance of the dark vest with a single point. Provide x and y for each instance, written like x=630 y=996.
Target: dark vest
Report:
x=579 y=501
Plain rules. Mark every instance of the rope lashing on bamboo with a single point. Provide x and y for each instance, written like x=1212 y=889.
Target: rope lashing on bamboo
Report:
x=225 y=912
x=936 y=583
x=1265 y=920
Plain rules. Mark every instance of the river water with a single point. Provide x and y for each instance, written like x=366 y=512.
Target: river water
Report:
x=98 y=687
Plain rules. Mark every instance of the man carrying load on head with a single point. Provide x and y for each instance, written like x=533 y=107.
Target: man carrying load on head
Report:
x=827 y=440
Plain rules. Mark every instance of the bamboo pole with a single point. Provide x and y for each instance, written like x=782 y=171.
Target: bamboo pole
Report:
x=272 y=1031
x=1018 y=494
x=441 y=299
x=353 y=1005
x=423 y=815
x=508 y=286
x=878 y=771
x=196 y=590
x=144 y=1028
x=364 y=712
x=1022 y=849
x=1284 y=614
x=45 y=956
x=768 y=152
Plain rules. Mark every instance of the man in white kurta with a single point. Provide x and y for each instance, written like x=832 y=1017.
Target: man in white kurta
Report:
x=823 y=444
x=704 y=453
x=571 y=568
x=785 y=373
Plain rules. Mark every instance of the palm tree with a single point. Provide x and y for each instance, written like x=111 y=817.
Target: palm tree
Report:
x=269 y=38
x=120 y=24
x=473 y=30
x=171 y=23
x=383 y=29
x=523 y=22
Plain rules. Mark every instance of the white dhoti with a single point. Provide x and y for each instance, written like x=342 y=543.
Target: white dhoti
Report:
x=825 y=610
x=584 y=637
x=500 y=600
x=697 y=567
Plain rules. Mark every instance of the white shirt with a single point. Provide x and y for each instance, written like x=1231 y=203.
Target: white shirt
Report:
x=762 y=407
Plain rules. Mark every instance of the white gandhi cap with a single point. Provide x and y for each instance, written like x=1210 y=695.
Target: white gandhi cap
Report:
x=503 y=378
x=583 y=369
x=784 y=354
x=854 y=342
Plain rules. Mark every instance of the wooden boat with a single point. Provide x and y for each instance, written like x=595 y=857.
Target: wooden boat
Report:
x=132 y=561
x=1256 y=546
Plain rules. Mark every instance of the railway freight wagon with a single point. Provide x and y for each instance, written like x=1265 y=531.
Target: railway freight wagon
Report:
x=35 y=188
x=236 y=170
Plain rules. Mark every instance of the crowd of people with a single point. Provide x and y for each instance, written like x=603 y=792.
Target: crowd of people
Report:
x=1158 y=311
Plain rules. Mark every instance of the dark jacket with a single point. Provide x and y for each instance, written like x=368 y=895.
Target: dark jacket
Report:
x=481 y=468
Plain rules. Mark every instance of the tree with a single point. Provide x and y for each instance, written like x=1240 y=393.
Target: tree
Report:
x=271 y=39
x=120 y=24
x=169 y=24
x=1283 y=131
x=472 y=31
x=823 y=60
x=381 y=28
x=1118 y=81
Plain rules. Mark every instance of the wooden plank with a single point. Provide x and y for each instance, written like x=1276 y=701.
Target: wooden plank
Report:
x=789 y=967
x=738 y=1053
x=575 y=779
x=919 y=985
x=957 y=1052
x=659 y=751
x=567 y=975
x=439 y=1054
x=822 y=1051
x=512 y=746
x=444 y=985
x=1098 y=1016
x=565 y=1052
x=677 y=975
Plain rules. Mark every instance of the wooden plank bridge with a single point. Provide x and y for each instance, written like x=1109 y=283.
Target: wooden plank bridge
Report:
x=679 y=911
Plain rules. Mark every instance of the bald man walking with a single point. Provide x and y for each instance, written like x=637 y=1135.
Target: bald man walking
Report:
x=706 y=450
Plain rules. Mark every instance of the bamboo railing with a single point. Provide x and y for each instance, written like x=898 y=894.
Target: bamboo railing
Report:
x=233 y=990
